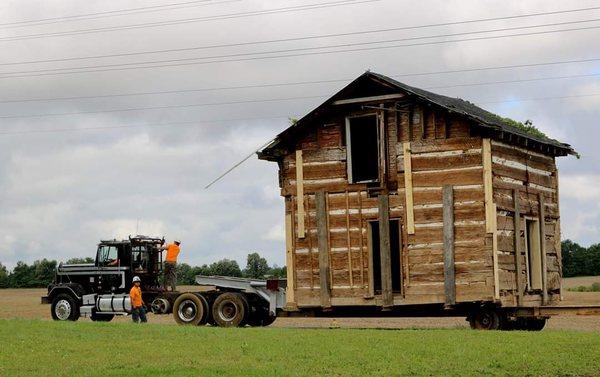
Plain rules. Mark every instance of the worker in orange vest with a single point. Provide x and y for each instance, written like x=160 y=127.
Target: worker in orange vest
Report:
x=138 y=310
x=170 y=265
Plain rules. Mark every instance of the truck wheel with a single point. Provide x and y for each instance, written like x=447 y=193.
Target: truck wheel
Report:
x=535 y=324
x=189 y=309
x=261 y=317
x=230 y=309
x=97 y=317
x=64 y=308
x=485 y=319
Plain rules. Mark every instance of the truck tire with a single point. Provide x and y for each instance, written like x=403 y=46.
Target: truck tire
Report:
x=97 y=317
x=189 y=309
x=64 y=308
x=230 y=309
x=535 y=324
x=261 y=317
x=486 y=319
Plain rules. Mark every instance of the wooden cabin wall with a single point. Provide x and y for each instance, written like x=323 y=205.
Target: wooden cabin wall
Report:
x=443 y=151
x=532 y=175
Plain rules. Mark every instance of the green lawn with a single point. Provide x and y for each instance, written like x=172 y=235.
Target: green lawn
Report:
x=118 y=349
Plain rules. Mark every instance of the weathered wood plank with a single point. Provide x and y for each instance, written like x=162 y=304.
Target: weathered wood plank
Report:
x=323 y=245
x=300 y=194
x=289 y=258
x=517 y=244
x=543 y=251
x=449 y=280
x=348 y=240
x=408 y=189
x=488 y=186
x=385 y=251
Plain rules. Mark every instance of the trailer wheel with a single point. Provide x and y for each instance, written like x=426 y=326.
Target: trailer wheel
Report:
x=64 y=308
x=189 y=309
x=485 y=319
x=206 y=316
x=230 y=309
x=97 y=317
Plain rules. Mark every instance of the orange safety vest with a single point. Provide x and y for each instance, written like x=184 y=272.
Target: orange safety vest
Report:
x=136 y=297
x=172 y=253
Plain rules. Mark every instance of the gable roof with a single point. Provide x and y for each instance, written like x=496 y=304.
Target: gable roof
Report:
x=499 y=126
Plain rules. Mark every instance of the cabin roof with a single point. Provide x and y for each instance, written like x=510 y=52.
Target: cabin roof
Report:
x=498 y=126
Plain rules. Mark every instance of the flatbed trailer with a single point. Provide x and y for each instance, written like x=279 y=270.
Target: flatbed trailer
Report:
x=481 y=315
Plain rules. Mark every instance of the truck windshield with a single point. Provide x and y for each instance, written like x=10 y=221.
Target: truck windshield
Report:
x=108 y=256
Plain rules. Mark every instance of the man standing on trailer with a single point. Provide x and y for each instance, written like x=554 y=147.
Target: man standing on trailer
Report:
x=138 y=311
x=170 y=264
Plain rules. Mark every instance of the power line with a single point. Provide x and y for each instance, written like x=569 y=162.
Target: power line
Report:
x=308 y=37
x=237 y=103
x=118 y=12
x=247 y=119
x=169 y=124
x=122 y=67
x=111 y=13
x=332 y=81
x=192 y=20
x=160 y=107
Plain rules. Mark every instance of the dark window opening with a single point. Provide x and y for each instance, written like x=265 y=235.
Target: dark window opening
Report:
x=362 y=136
x=395 y=256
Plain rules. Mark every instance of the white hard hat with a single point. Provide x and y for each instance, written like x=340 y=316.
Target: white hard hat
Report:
x=136 y=278
x=177 y=240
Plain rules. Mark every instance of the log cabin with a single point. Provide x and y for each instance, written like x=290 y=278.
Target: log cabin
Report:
x=396 y=196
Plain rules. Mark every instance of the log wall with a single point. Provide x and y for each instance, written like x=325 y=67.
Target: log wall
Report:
x=527 y=176
x=425 y=150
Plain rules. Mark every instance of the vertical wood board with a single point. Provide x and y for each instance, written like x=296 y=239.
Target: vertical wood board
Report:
x=323 y=245
x=300 y=194
x=448 y=220
x=385 y=251
x=289 y=261
x=408 y=189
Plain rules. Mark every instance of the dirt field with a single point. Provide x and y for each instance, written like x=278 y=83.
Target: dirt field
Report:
x=25 y=303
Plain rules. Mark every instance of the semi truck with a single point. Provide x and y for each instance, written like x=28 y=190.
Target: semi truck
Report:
x=100 y=291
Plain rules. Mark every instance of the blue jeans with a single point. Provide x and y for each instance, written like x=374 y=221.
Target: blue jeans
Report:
x=139 y=315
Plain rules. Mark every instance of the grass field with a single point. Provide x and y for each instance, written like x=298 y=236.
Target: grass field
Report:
x=33 y=347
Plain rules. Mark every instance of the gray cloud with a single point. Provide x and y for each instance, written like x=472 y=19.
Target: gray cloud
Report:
x=62 y=192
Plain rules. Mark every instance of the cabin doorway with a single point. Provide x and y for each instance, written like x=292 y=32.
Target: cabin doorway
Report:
x=533 y=254
x=395 y=249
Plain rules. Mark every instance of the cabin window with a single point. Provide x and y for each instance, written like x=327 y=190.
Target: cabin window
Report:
x=395 y=248
x=362 y=137
x=533 y=254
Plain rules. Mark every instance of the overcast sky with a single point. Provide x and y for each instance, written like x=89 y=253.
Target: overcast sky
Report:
x=144 y=170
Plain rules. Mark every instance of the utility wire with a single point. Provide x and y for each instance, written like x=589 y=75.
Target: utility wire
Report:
x=161 y=107
x=245 y=102
x=123 y=66
x=299 y=38
x=111 y=13
x=152 y=125
x=323 y=82
x=192 y=20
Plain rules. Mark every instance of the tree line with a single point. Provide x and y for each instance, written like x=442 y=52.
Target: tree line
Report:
x=576 y=260
x=41 y=272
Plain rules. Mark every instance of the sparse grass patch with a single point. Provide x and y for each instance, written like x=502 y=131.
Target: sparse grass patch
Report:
x=123 y=349
x=582 y=288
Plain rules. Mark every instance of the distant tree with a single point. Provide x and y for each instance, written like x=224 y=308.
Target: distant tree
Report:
x=277 y=272
x=256 y=266
x=3 y=276
x=185 y=274
x=225 y=267
x=43 y=272
x=580 y=261
x=22 y=276
x=80 y=260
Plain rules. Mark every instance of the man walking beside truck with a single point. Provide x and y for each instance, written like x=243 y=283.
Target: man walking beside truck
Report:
x=138 y=311
x=170 y=265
